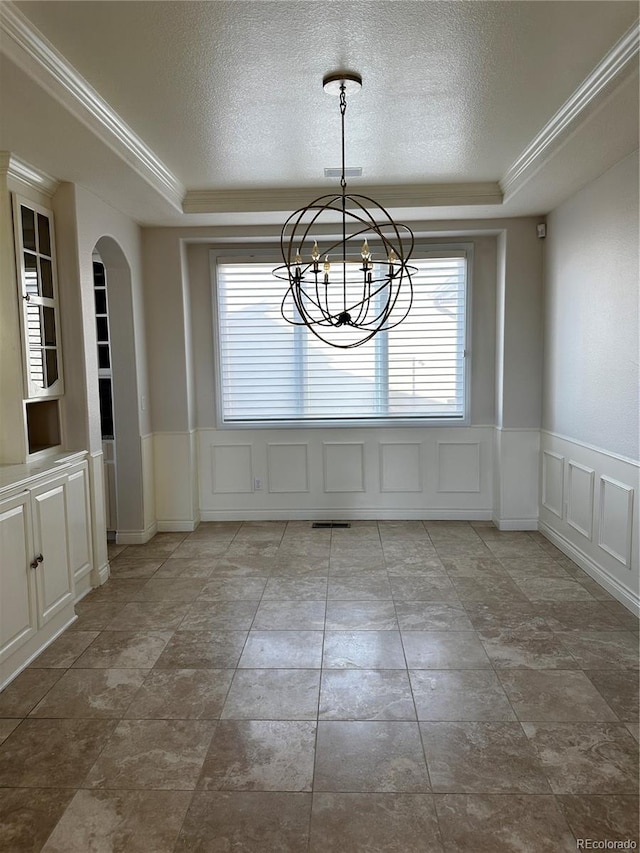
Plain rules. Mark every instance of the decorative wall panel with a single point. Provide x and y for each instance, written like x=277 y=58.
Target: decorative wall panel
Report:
x=458 y=466
x=287 y=468
x=553 y=482
x=231 y=468
x=580 y=483
x=616 y=519
x=343 y=466
x=400 y=467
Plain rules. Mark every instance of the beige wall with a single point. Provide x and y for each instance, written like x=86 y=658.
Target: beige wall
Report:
x=519 y=327
x=482 y=332
x=179 y=320
x=591 y=314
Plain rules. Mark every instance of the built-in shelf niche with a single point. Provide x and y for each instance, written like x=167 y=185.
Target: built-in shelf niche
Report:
x=43 y=425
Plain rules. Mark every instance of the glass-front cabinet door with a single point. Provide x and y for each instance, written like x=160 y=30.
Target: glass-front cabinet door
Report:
x=37 y=281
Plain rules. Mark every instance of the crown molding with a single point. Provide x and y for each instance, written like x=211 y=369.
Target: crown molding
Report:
x=27 y=175
x=38 y=58
x=392 y=196
x=549 y=139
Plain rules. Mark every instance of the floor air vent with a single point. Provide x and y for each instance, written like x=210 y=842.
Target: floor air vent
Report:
x=325 y=524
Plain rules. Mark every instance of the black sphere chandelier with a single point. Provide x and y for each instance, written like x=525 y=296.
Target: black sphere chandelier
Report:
x=351 y=295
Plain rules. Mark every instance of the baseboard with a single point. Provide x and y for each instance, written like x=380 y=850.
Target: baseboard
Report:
x=348 y=513
x=600 y=575
x=82 y=593
x=515 y=523
x=179 y=526
x=103 y=573
x=98 y=577
x=136 y=537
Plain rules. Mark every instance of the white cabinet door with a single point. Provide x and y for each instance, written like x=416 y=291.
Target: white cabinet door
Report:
x=18 y=620
x=38 y=289
x=54 y=575
x=78 y=521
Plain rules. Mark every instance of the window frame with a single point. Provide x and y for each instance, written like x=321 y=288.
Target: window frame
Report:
x=262 y=255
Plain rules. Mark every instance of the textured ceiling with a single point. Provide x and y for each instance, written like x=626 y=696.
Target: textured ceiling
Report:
x=228 y=95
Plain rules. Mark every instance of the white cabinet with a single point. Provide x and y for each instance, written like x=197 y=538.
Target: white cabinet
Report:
x=18 y=620
x=45 y=547
x=51 y=564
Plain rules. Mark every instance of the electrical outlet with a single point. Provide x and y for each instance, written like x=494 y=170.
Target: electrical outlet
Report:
x=257 y=485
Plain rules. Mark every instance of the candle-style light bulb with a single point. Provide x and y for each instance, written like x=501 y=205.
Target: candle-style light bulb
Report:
x=326 y=267
x=315 y=254
x=366 y=255
x=298 y=259
x=391 y=258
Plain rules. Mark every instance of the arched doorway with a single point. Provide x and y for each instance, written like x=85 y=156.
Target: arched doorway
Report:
x=118 y=389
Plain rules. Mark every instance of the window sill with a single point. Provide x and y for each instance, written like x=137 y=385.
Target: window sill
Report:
x=347 y=423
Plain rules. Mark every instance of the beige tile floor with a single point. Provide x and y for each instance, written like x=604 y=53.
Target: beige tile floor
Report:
x=268 y=688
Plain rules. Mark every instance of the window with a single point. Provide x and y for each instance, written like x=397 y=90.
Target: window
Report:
x=273 y=373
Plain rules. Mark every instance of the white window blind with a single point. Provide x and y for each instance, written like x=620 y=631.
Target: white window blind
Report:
x=273 y=372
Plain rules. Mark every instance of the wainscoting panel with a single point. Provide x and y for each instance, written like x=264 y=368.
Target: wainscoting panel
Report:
x=175 y=475
x=553 y=482
x=343 y=466
x=599 y=529
x=231 y=468
x=516 y=478
x=580 y=490
x=148 y=484
x=616 y=520
x=334 y=473
x=458 y=466
x=400 y=466
x=288 y=468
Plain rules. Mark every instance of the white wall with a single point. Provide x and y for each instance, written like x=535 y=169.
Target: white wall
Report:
x=589 y=461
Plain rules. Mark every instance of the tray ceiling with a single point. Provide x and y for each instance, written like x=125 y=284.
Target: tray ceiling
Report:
x=213 y=112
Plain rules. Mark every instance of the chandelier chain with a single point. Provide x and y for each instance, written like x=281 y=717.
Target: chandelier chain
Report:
x=343 y=110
